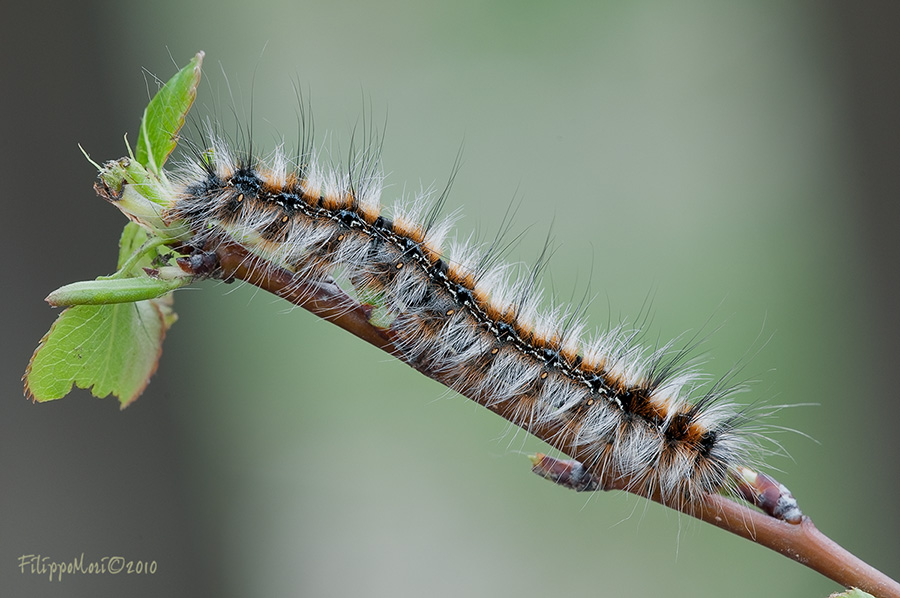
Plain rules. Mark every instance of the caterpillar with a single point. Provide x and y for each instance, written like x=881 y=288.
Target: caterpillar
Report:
x=454 y=307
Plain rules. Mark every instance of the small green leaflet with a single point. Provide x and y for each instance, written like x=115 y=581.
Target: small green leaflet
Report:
x=164 y=116
x=112 y=290
x=110 y=340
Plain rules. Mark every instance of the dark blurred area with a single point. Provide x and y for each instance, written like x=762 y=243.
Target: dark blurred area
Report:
x=867 y=48
x=79 y=476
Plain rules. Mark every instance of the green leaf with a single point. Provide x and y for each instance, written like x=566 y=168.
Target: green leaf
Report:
x=104 y=291
x=165 y=115
x=110 y=349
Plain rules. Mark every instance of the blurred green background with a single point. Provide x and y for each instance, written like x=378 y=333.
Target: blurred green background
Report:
x=733 y=161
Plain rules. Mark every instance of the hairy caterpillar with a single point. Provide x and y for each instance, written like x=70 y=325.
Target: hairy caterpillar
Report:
x=455 y=309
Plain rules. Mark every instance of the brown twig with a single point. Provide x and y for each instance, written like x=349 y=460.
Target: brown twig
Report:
x=801 y=542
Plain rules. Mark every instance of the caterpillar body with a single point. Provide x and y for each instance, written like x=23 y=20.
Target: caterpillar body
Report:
x=634 y=416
